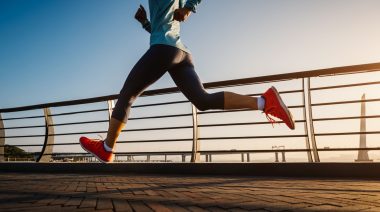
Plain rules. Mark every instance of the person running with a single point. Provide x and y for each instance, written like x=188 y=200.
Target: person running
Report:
x=167 y=53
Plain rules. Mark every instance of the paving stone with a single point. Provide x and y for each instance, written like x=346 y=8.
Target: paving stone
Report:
x=196 y=209
x=73 y=202
x=177 y=208
x=103 y=204
x=60 y=200
x=140 y=206
x=374 y=209
x=46 y=200
x=158 y=207
x=121 y=205
x=237 y=210
x=88 y=203
x=11 y=205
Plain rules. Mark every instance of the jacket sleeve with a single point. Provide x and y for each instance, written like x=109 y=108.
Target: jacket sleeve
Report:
x=192 y=5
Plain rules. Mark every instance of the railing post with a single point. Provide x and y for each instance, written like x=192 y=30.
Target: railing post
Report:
x=2 y=139
x=248 y=157
x=47 y=149
x=111 y=105
x=276 y=157
x=312 y=136
x=283 y=156
x=195 y=156
x=309 y=157
x=208 y=158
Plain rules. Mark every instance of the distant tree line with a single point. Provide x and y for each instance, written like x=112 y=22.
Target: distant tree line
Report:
x=15 y=152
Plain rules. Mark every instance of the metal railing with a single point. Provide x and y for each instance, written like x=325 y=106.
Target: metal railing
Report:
x=309 y=135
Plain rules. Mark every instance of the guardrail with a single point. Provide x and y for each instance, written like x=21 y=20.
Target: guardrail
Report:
x=306 y=121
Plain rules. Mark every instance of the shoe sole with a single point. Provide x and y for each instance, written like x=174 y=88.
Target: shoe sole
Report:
x=288 y=113
x=103 y=161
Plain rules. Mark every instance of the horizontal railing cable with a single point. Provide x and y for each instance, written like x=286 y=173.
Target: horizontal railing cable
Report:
x=348 y=149
x=280 y=92
x=23 y=136
x=241 y=110
x=103 y=131
x=157 y=128
x=137 y=118
x=81 y=122
x=347 y=133
x=22 y=127
x=346 y=118
x=214 y=152
x=79 y=112
x=156 y=140
x=252 y=137
x=26 y=117
x=244 y=123
x=160 y=104
x=21 y=145
x=344 y=86
x=164 y=116
x=345 y=102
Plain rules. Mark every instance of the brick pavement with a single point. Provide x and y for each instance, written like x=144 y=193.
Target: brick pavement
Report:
x=128 y=192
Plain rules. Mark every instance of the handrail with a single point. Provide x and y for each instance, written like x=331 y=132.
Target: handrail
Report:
x=227 y=83
x=308 y=134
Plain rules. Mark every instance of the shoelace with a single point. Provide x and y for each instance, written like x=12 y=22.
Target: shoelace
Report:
x=97 y=140
x=102 y=139
x=270 y=119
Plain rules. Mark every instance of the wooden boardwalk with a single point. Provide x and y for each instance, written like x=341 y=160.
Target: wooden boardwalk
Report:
x=136 y=192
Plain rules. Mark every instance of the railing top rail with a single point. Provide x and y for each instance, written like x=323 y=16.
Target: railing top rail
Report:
x=227 y=83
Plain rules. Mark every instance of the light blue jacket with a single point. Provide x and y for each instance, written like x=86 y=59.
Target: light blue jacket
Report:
x=163 y=29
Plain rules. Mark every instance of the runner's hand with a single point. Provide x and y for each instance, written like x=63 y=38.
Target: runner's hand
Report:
x=181 y=14
x=141 y=15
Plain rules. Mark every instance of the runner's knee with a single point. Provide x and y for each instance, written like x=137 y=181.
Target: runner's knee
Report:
x=201 y=105
x=122 y=107
x=208 y=101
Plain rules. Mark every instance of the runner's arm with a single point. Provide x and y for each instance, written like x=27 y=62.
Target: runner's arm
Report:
x=181 y=14
x=141 y=17
x=192 y=5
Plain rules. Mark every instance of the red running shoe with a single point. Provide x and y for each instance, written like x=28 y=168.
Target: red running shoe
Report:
x=96 y=148
x=274 y=106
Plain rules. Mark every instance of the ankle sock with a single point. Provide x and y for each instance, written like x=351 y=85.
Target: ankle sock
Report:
x=106 y=147
x=260 y=103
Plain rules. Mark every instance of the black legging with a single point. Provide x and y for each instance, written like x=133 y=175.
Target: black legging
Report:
x=155 y=62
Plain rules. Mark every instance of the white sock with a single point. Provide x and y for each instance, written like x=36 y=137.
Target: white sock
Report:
x=260 y=103
x=106 y=147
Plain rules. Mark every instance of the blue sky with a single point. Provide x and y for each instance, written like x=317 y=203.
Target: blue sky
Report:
x=53 y=50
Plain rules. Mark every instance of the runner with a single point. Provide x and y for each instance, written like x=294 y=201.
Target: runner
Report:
x=168 y=54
